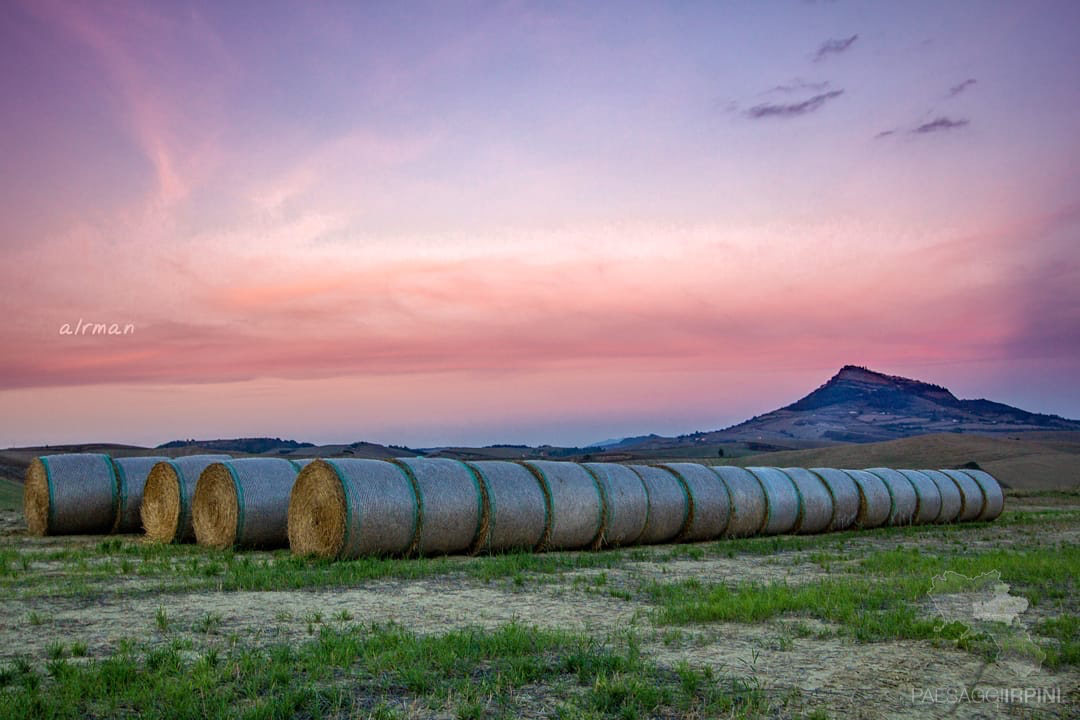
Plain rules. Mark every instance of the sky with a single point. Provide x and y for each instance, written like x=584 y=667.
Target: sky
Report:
x=500 y=222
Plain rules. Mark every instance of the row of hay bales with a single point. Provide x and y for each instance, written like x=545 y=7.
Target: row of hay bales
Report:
x=349 y=508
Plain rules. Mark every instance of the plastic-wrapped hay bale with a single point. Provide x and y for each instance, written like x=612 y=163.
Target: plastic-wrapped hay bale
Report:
x=815 y=502
x=70 y=494
x=166 y=503
x=453 y=505
x=517 y=506
x=710 y=504
x=875 y=502
x=781 y=500
x=845 y=497
x=928 y=505
x=244 y=503
x=577 y=504
x=951 y=502
x=131 y=473
x=748 y=504
x=901 y=494
x=626 y=503
x=348 y=508
x=972 y=497
x=669 y=504
x=995 y=498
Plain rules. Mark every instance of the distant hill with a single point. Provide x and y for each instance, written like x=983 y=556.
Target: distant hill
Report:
x=858 y=405
x=253 y=446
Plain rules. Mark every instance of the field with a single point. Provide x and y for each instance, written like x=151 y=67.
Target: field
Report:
x=836 y=625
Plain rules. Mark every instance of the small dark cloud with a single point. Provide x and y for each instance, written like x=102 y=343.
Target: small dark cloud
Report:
x=957 y=89
x=939 y=124
x=884 y=134
x=800 y=85
x=787 y=110
x=834 y=47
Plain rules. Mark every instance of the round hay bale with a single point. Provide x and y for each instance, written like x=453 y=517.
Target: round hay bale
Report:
x=951 y=502
x=972 y=497
x=902 y=496
x=669 y=504
x=452 y=500
x=816 y=505
x=710 y=503
x=167 y=495
x=577 y=504
x=348 y=508
x=131 y=475
x=301 y=463
x=875 y=503
x=995 y=498
x=74 y=494
x=845 y=497
x=244 y=503
x=928 y=505
x=748 y=504
x=626 y=503
x=517 y=506
x=782 y=502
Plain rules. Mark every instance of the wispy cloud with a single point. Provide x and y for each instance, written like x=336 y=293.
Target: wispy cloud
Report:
x=834 y=47
x=884 y=134
x=788 y=110
x=799 y=85
x=960 y=87
x=939 y=124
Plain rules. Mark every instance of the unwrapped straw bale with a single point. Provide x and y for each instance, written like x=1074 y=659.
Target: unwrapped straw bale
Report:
x=928 y=506
x=748 y=504
x=845 y=497
x=875 y=502
x=972 y=496
x=781 y=500
x=951 y=502
x=131 y=473
x=453 y=505
x=167 y=496
x=70 y=494
x=244 y=503
x=577 y=504
x=626 y=503
x=517 y=506
x=669 y=504
x=710 y=504
x=995 y=498
x=815 y=502
x=350 y=507
x=901 y=494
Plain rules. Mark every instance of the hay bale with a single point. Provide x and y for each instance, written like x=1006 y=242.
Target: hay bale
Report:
x=166 y=503
x=517 y=506
x=710 y=503
x=951 y=502
x=577 y=504
x=845 y=497
x=669 y=504
x=131 y=475
x=815 y=502
x=972 y=497
x=244 y=503
x=70 y=494
x=626 y=503
x=928 y=505
x=782 y=503
x=875 y=502
x=995 y=498
x=902 y=496
x=348 y=508
x=453 y=505
x=748 y=504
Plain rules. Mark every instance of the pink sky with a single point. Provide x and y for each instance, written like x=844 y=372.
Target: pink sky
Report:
x=527 y=223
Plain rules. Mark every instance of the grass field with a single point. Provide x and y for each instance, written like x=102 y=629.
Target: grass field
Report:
x=837 y=625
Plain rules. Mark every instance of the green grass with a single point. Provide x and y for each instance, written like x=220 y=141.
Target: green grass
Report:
x=11 y=495
x=376 y=671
